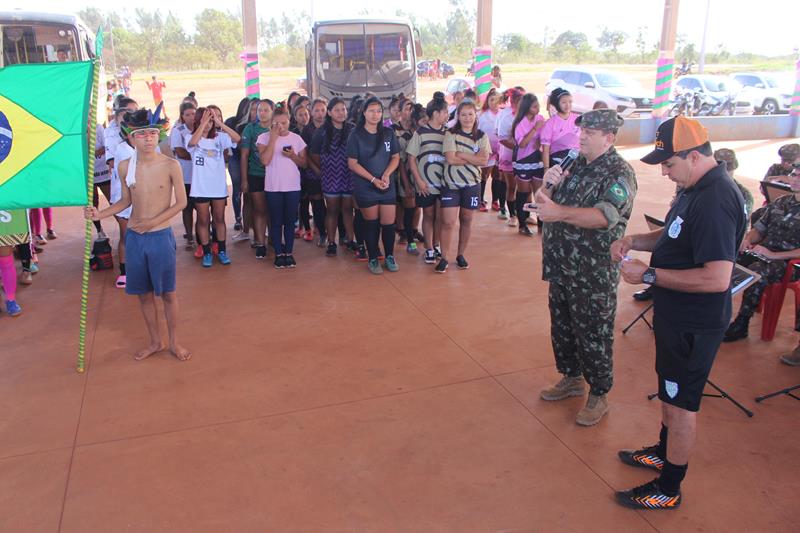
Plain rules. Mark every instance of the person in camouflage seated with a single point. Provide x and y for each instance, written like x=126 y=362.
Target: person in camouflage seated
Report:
x=728 y=156
x=767 y=249
x=584 y=211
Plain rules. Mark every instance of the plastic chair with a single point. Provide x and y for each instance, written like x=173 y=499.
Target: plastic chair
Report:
x=772 y=300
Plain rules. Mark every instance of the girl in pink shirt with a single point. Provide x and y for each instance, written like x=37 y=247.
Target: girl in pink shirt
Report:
x=528 y=168
x=560 y=134
x=508 y=189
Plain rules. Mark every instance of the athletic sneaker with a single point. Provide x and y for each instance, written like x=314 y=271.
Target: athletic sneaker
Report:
x=51 y=234
x=401 y=237
x=648 y=496
x=419 y=237
x=441 y=266
x=374 y=266
x=343 y=240
x=512 y=221
x=241 y=236
x=495 y=205
x=289 y=262
x=412 y=248
x=351 y=245
x=280 y=261
x=189 y=246
x=525 y=231
x=261 y=252
x=208 y=260
x=34 y=268
x=26 y=278
x=198 y=252
x=437 y=251
x=322 y=242
x=331 y=251
x=646 y=457
x=462 y=262
x=391 y=264
x=223 y=258
x=214 y=248
x=13 y=308
x=38 y=239
x=238 y=225
x=308 y=236
x=503 y=215
x=361 y=254
x=430 y=258
x=482 y=207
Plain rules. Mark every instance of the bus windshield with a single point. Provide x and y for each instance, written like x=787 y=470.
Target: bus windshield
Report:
x=38 y=42
x=364 y=55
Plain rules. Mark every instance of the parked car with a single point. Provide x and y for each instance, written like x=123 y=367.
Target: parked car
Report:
x=715 y=89
x=590 y=86
x=447 y=70
x=769 y=93
x=423 y=67
x=455 y=85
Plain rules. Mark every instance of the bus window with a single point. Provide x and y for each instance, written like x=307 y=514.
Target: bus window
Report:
x=38 y=43
x=342 y=54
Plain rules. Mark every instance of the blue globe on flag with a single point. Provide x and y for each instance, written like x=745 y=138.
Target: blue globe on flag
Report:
x=5 y=137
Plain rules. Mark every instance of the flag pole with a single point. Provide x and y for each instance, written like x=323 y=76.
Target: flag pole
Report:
x=87 y=247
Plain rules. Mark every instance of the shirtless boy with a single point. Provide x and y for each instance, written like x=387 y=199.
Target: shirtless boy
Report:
x=149 y=181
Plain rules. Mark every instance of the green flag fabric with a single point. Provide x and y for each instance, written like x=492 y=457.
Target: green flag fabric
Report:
x=44 y=116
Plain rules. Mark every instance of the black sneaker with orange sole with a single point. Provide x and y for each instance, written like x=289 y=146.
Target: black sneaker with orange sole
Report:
x=648 y=496
x=646 y=457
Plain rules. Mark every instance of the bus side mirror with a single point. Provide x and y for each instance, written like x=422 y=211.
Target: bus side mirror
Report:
x=417 y=43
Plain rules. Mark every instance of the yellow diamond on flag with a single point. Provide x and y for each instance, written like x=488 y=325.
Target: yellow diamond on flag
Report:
x=25 y=135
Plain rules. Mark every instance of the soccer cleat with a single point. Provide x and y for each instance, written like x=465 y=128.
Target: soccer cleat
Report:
x=462 y=262
x=430 y=257
x=441 y=266
x=412 y=248
x=13 y=308
x=289 y=261
x=223 y=258
x=648 y=496
x=208 y=260
x=391 y=264
x=261 y=252
x=374 y=266
x=646 y=457
x=331 y=251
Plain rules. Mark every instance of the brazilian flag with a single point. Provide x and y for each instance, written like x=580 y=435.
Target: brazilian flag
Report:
x=44 y=116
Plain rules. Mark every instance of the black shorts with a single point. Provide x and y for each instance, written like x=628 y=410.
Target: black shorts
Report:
x=466 y=198
x=189 y=199
x=683 y=362
x=206 y=200
x=255 y=183
x=311 y=187
x=426 y=201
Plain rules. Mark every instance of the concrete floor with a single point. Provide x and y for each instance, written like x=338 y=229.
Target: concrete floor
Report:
x=328 y=399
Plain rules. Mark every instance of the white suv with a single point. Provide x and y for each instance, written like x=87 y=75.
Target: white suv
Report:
x=592 y=86
x=768 y=94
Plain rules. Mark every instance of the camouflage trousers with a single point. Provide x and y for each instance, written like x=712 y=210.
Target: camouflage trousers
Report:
x=582 y=333
x=771 y=272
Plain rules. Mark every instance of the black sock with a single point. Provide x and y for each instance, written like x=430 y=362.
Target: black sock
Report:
x=408 y=224
x=97 y=225
x=305 y=219
x=502 y=188
x=358 y=227
x=207 y=249
x=671 y=477
x=522 y=198
x=122 y=269
x=495 y=190
x=221 y=245
x=26 y=264
x=387 y=236
x=342 y=230
x=371 y=231
x=483 y=189
x=318 y=207
x=512 y=208
x=662 y=442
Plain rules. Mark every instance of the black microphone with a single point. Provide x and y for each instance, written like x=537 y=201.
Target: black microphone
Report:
x=565 y=164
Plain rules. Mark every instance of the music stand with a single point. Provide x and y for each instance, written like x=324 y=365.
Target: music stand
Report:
x=653 y=224
x=741 y=279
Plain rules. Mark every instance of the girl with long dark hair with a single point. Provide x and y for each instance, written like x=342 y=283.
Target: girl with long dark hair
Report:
x=373 y=156
x=560 y=134
x=311 y=180
x=487 y=123
x=507 y=191
x=528 y=167
x=178 y=138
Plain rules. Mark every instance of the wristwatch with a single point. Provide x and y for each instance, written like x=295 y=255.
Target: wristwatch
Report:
x=649 y=276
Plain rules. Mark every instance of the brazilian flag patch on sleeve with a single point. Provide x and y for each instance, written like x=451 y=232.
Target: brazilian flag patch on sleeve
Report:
x=617 y=194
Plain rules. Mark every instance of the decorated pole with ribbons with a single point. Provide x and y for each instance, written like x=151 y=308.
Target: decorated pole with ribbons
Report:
x=665 y=67
x=252 y=82
x=482 y=67
x=87 y=247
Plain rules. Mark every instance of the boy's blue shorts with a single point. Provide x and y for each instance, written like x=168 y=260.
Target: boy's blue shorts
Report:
x=150 y=262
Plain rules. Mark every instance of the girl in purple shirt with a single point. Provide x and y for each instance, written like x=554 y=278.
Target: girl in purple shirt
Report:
x=528 y=168
x=560 y=134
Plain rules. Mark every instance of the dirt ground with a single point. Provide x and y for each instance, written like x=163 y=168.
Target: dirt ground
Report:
x=226 y=88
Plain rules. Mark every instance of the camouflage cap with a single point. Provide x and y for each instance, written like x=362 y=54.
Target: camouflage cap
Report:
x=601 y=119
x=727 y=156
x=789 y=151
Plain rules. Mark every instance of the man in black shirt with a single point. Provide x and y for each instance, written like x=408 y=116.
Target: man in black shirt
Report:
x=690 y=272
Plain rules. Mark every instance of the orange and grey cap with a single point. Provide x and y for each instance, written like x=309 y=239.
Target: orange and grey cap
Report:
x=676 y=135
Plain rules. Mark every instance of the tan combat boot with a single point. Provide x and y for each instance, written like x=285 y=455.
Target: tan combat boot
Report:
x=792 y=359
x=565 y=388
x=596 y=407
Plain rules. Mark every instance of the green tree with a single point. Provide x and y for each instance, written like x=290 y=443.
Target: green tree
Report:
x=219 y=32
x=610 y=41
x=641 y=43
x=571 y=45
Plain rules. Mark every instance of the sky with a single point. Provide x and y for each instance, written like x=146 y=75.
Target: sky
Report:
x=775 y=31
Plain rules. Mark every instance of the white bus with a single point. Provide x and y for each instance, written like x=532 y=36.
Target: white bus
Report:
x=349 y=57
x=28 y=37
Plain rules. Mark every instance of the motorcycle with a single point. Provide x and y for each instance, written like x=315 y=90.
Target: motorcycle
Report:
x=686 y=103
x=714 y=107
x=684 y=69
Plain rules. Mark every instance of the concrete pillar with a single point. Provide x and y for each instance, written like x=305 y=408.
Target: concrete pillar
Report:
x=665 y=68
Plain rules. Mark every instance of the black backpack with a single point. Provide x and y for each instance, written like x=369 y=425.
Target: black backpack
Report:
x=101 y=258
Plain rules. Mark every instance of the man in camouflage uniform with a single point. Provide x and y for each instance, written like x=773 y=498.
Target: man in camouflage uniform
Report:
x=584 y=211
x=789 y=153
x=767 y=249
x=728 y=156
